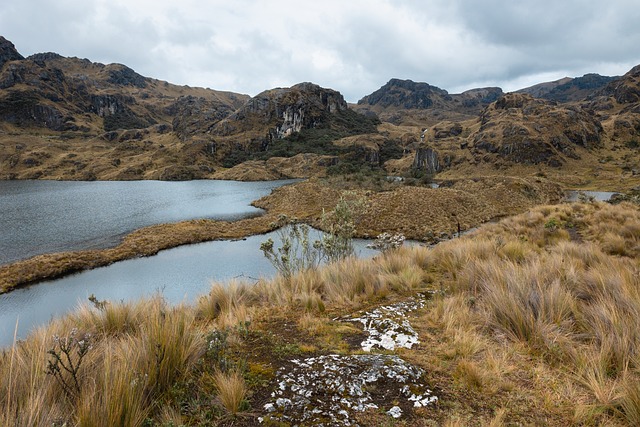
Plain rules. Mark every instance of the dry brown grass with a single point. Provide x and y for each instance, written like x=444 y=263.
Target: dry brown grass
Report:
x=232 y=390
x=547 y=334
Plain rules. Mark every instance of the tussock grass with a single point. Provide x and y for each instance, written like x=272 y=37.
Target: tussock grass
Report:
x=115 y=399
x=232 y=390
x=536 y=314
x=573 y=302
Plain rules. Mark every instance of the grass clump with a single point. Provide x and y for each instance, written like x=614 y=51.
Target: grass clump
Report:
x=519 y=326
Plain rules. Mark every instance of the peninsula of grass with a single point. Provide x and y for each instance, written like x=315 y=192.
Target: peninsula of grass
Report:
x=417 y=212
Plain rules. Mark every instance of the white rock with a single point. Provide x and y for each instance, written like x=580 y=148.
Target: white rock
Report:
x=395 y=412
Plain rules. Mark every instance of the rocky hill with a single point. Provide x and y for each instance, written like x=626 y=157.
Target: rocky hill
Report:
x=405 y=102
x=569 y=89
x=74 y=119
x=70 y=118
x=523 y=129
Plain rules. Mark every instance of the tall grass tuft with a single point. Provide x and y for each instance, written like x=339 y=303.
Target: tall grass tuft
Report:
x=232 y=390
x=111 y=318
x=168 y=344
x=117 y=397
x=223 y=299
x=630 y=400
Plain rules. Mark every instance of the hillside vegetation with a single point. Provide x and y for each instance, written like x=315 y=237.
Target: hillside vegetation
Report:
x=531 y=320
x=70 y=118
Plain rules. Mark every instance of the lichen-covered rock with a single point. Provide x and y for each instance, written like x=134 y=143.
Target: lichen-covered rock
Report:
x=387 y=326
x=329 y=390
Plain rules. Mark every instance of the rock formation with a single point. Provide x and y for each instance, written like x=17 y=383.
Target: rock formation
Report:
x=522 y=129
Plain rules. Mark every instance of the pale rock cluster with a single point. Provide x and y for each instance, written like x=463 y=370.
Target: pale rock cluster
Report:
x=327 y=390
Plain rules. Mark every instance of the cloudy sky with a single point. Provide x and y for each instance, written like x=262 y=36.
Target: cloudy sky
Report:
x=354 y=46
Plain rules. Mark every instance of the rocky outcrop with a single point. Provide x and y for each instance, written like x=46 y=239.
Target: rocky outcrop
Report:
x=282 y=112
x=427 y=160
x=521 y=129
x=125 y=76
x=23 y=108
x=404 y=102
x=193 y=116
x=8 y=52
x=625 y=90
x=284 y=122
x=480 y=97
x=406 y=94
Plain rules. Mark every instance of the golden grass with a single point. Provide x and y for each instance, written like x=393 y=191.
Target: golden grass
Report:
x=232 y=390
x=541 y=332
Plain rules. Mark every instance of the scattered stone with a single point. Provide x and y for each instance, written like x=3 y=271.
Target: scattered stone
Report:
x=328 y=390
x=395 y=412
x=388 y=327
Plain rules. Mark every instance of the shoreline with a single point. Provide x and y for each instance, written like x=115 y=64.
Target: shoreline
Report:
x=144 y=242
x=417 y=213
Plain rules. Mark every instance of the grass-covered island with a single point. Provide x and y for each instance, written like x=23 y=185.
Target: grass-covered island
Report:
x=532 y=320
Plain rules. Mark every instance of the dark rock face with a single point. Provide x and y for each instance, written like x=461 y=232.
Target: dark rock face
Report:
x=405 y=94
x=125 y=76
x=42 y=58
x=194 y=115
x=570 y=89
x=282 y=112
x=116 y=114
x=526 y=130
x=427 y=159
x=625 y=90
x=23 y=108
x=8 y=52
x=478 y=97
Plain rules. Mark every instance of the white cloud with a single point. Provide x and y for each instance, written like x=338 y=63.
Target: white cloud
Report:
x=352 y=46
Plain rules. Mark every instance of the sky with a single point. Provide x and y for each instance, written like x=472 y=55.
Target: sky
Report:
x=353 y=46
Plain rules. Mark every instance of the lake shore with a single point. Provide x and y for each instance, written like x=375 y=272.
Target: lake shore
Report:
x=419 y=213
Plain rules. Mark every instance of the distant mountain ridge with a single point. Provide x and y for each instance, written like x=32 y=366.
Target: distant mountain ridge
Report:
x=70 y=118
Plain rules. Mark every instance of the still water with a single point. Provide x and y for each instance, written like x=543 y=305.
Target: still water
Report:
x=179 y=274
x=49 y=216
x=600 y=196
x=39 y=217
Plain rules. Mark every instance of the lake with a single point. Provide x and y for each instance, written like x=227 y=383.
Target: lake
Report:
x=179 y=274
x=46 y=216
x=39 y=217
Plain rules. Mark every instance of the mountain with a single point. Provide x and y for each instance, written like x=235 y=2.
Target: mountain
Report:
x=569 y=89
x=70 y=118
x=408 y=102
x=75 y=119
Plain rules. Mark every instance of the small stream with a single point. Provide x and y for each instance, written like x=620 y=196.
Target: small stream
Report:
x=599 y=196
